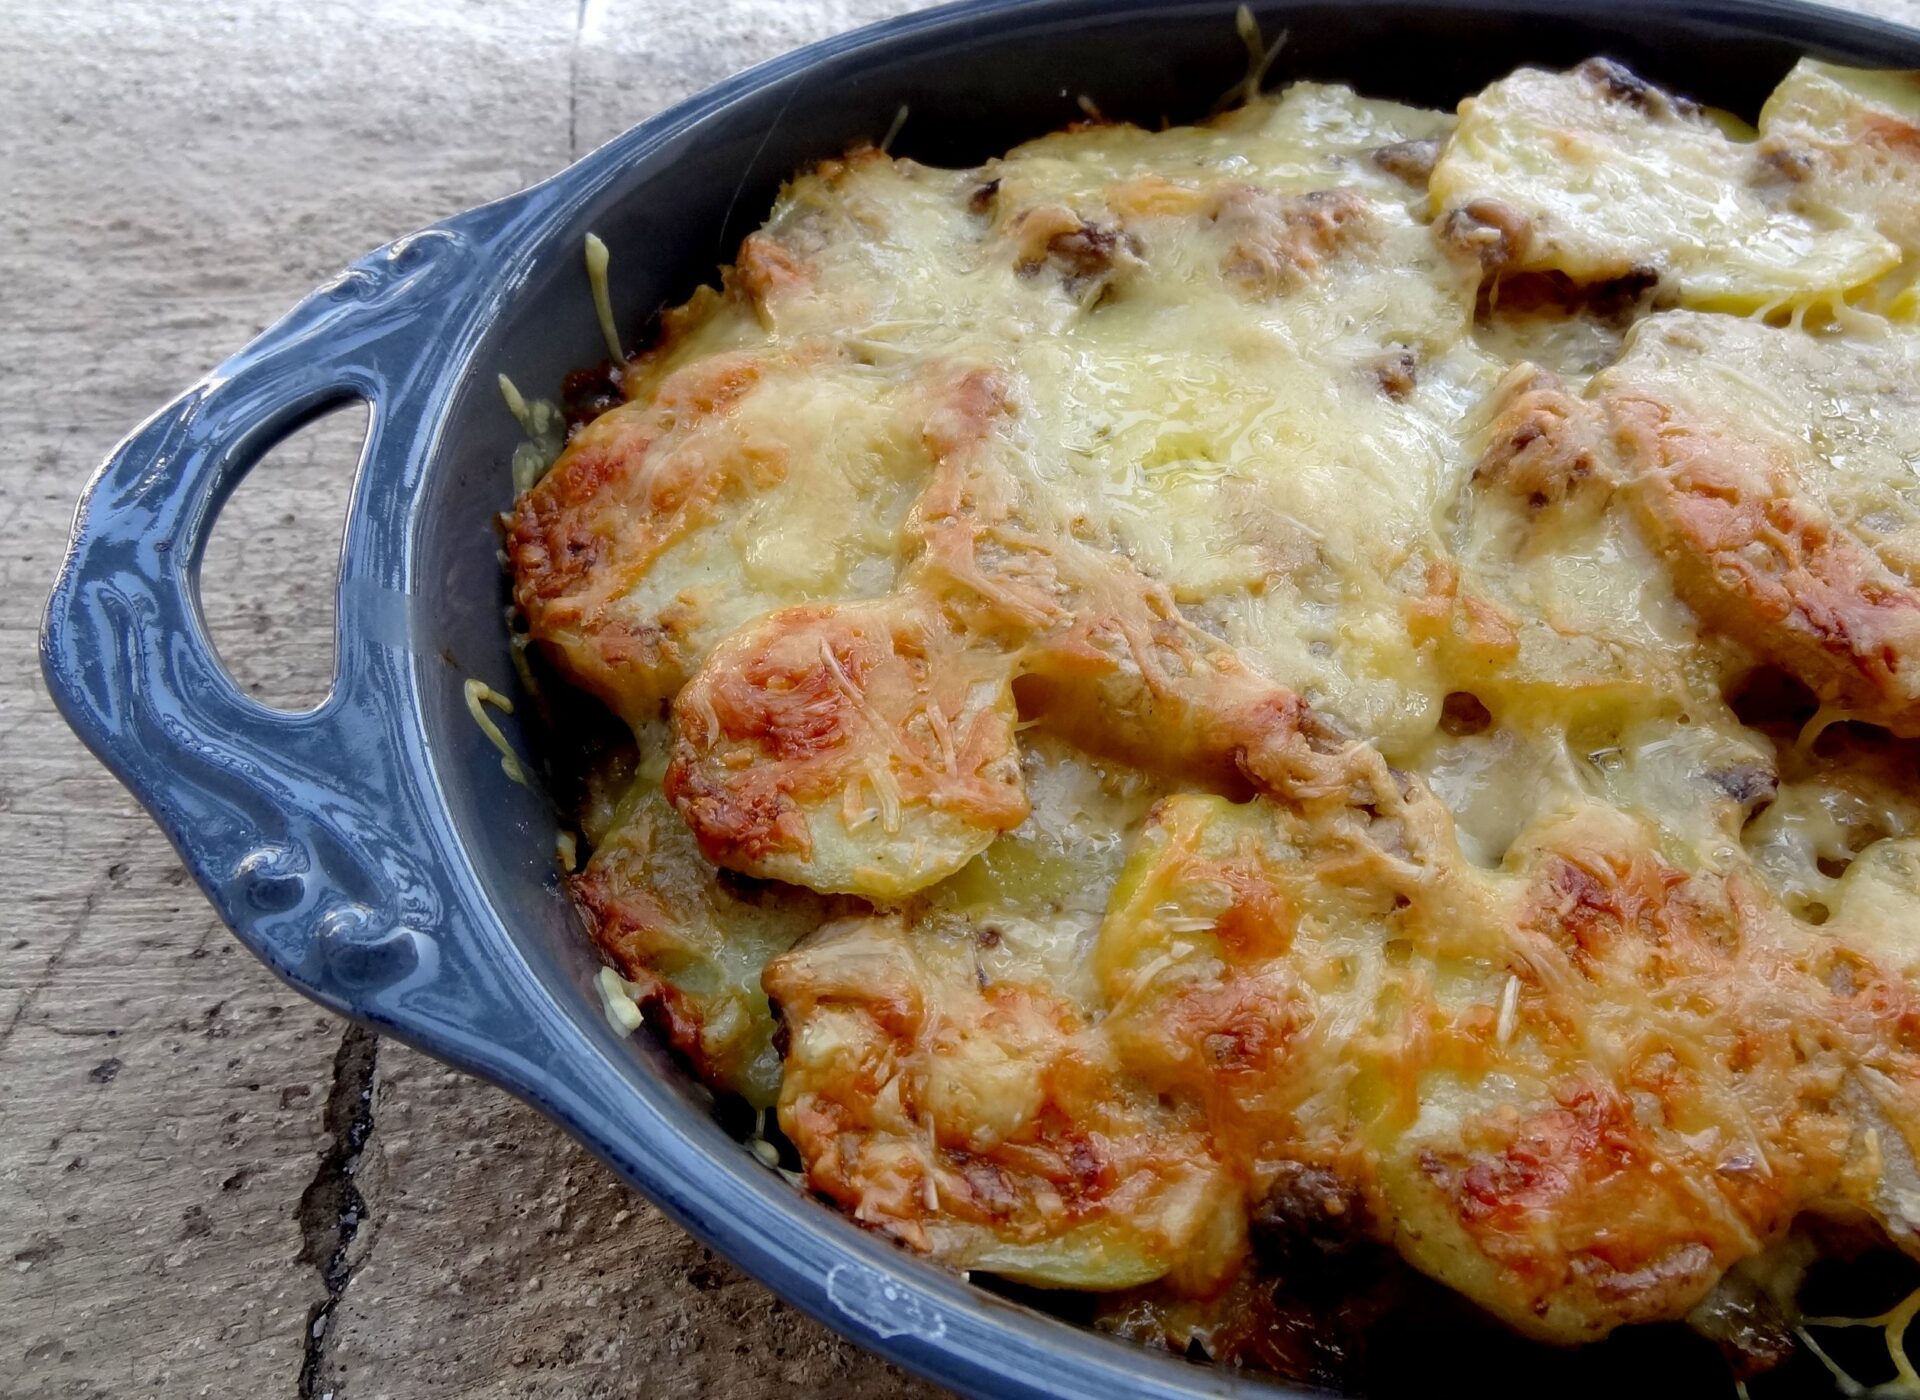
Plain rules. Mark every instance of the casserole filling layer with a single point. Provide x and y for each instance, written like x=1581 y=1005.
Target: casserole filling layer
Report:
x=1343 y=678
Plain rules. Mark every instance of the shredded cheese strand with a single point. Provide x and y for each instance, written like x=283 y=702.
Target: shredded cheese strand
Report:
x=480 y=694
x=1893 y=1323
x=893 y=130
x=597 y=261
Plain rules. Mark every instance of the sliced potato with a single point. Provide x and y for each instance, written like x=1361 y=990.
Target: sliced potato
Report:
x=1596 y=1142
x=1844 y=143
x=985 y=1122
x=1775 y=470
x=1524 y=1075
x=860 y=749
x=1553 y=610
x=689 y=941
x=667 y=523
x=1035 y=897
x=1598 y=175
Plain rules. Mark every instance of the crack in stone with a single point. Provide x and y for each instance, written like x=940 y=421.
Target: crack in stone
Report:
x=331 y=1209
x=52 y=966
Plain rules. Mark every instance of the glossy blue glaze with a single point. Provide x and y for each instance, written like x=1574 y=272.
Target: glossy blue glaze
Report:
x=370 y=850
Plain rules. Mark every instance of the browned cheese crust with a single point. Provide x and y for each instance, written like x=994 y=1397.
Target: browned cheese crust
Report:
x=1799 y=549
x=1337 y=680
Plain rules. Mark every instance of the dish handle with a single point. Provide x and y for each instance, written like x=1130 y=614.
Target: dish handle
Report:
x=301 y=827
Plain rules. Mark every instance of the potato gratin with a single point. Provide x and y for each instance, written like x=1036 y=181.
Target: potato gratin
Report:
x=1339 y=679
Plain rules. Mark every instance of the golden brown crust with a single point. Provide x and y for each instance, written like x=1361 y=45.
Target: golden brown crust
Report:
x=629 y=485
x=1544 y=444
x=834 y=708
x=1686 y=1119
x=1570 y=1201
x=986 y=1121
x=767 y=268
x=1762 y=561
x=1374 y=872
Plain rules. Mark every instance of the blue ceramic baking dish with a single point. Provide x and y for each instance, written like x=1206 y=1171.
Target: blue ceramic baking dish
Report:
x=371 y=851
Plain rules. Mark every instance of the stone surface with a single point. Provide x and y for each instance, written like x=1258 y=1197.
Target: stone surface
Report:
x=534 y=1272
x=181 y=1138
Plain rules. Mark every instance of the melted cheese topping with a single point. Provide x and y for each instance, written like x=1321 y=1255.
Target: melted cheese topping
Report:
x=1780 y=472
x=1843 y=141
x=1595 y=174
x=1195 y=712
